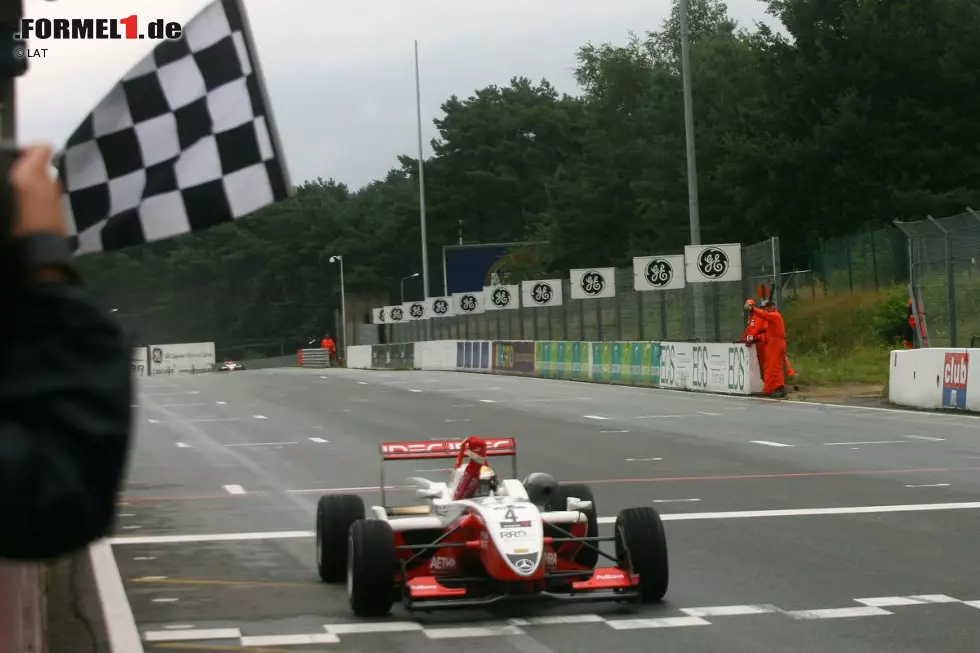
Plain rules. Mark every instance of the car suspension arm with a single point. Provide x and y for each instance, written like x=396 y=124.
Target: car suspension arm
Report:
x=586 y=541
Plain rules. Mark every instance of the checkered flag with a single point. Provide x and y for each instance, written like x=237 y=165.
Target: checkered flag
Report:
x=183 y=142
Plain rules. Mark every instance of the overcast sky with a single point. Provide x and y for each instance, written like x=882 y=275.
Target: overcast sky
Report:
x=341 y=75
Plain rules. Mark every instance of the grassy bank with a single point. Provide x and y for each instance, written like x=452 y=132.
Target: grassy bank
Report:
x=844 y=338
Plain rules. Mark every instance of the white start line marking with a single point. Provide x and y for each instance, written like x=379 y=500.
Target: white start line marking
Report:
x=487 y=401
x=449 y=421
x=642 y=460
x=924 y=437
x=234 y=489
x=674 y=500
x=153 y=421
x=319 y=440
x=414 y=390
x=771 y=444
x=184 y=635
x=594 y=417
x=362 y=383
x=260 y=417
x=259 y=444
x=221 y=403
x=184 y=445
x=930 y=485
x=616 y=431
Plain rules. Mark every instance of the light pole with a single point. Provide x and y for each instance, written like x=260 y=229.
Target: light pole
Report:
x=692 y=165
x=343 y=304
x=404 y=279
x=418 y=117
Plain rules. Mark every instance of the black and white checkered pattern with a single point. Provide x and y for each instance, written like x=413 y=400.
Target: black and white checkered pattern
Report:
x=183 y=142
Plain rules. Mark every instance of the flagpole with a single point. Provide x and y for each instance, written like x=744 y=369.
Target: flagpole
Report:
x=253 y=56
x=425 y=247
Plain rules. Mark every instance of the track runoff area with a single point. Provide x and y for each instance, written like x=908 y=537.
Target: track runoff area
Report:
x=790 y=526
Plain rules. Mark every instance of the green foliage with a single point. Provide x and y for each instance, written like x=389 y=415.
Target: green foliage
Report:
x=863 y=112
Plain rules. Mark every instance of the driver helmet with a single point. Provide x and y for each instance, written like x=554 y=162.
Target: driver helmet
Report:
x=486 y=476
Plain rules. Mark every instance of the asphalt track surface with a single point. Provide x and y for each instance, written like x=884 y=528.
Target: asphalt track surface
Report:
x=791 y=527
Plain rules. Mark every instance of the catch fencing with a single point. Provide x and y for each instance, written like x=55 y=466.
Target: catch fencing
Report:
x=944 y=276
x=698 y=312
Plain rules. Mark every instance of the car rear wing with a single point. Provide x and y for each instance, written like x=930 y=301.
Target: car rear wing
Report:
x=441 y=449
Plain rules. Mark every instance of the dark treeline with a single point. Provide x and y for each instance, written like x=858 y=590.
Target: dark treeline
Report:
x=853 y=114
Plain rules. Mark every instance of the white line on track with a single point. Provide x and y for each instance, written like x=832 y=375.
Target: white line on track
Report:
x=414 y=390
x=259 y=444
x=362 y=383
x=771 y=444
x=213 y=419
x=832 y=444
x=289 y=640
x=487 y=401
x=377 y=627
x=594 y=417
x=184 y=635
x=455 y=420
x=260 y=417
x=616 y=431
x=153 y=421
x=221 y=403
x=837 y=613
x=116 y=611
x=319 y=440
x=165 y=600
x=184 y=445
x=471 y=631
x=641 y=460
x=729 y=610
x=659 y=416
x=689 y=516
x=180 y=405
x=930 y=485
x=234 y=489
x=674 y=500
x=923 y=437
x=664 y=622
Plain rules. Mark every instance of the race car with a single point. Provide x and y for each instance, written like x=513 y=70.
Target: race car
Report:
x=231 y=366
x=479 y=539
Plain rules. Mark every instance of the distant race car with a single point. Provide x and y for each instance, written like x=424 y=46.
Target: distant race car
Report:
x=231 y=366
x=508 y=539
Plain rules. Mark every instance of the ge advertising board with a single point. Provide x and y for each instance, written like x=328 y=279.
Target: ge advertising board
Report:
x=956 y=367
x=181 y=358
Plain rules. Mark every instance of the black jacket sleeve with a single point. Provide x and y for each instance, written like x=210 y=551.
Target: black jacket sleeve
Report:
x=65 y=420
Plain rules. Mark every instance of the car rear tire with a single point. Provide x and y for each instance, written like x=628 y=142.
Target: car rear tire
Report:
x=641 y=547
x=585 y=556
x=371 y=566
x=334 y=515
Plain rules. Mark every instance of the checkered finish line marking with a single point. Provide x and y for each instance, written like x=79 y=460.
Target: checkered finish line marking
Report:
x=183 y=142
x=868 y=607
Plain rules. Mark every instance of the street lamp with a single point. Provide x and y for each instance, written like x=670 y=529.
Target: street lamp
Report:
x=411 y=276
x=343 y=303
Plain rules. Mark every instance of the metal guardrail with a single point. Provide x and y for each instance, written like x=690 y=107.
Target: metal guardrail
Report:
x=22 y=608
x=314 y=358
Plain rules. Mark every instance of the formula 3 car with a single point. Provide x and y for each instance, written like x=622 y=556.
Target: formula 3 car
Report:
x=231 y=366
x=507 y=539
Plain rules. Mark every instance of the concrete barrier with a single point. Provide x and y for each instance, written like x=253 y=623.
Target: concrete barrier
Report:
x=359 y=357
x=933 y=378
x=723 y=368
x=22 y=608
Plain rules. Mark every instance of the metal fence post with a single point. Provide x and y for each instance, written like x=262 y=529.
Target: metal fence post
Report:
x=950 y=279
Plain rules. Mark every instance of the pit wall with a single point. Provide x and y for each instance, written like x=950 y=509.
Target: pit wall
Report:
x=724 y=368
x=934 y=378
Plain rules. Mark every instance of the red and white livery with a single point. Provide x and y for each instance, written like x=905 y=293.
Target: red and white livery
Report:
x=477 y=539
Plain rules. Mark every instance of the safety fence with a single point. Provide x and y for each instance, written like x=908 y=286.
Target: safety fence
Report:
x=22 y=608
x=724 y=368
x=870 y=260
x=697 y=312
x=945 y=277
